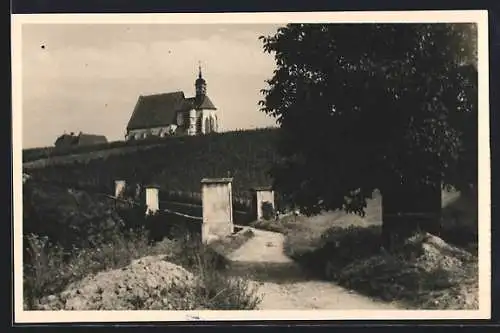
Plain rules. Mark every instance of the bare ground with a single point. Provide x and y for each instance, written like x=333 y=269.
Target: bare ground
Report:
x=282 y=283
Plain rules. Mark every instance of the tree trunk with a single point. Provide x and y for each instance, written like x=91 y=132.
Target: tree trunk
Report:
x=409 y=209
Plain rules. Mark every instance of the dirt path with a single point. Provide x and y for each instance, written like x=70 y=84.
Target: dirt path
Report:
x=284 y=285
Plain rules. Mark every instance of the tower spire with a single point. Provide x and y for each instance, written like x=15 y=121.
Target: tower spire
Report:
x=200 y=84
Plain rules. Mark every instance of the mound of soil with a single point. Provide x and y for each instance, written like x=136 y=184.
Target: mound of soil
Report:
x=147 y=283
x=431 y=252
x=427 y=272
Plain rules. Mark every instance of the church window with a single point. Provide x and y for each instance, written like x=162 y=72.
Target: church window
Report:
x=212 y=124
x=180 y=119
x=207 y=125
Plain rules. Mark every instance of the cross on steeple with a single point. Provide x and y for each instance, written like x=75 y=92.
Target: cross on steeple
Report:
x=199 y=69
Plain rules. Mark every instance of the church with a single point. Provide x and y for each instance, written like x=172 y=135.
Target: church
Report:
x=173 y=113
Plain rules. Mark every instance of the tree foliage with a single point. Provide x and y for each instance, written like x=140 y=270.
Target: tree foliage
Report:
x=363 y=106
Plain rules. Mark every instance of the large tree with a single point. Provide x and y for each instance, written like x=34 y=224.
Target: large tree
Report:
x=362 y=107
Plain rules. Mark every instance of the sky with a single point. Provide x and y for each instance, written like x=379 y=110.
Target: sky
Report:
x=87 y=77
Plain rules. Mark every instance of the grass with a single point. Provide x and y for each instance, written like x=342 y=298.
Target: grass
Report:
x=33 y=154
x=248 y=155
x=346 y=249
x=52 y=268
x=212 y=287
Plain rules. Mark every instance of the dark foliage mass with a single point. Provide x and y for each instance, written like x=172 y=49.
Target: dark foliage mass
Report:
x=177 y=164
x=75 y=219
x=372 y=106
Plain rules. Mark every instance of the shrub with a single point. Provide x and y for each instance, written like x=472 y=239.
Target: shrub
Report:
x=424 y=272
x=217 y=291
x=42 y=269
x=214 y=288
x=48 y=267
x=338 y=247
x=69 y=217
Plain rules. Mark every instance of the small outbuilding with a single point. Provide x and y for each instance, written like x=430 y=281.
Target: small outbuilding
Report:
x=82 y=139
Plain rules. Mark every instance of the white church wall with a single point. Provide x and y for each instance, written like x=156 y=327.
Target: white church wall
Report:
x=192 y=122
x=209 y=121
x=139 y=134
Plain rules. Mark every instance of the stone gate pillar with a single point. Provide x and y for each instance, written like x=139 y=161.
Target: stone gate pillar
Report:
x=217 y=204
x=120 y=188
x=262 y=195
x=152 y=202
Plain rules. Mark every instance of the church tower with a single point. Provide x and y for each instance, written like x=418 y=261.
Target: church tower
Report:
x=202 y=116
x=201 y=86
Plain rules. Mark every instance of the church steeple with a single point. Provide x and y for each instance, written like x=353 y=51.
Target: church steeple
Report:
x=200 y=84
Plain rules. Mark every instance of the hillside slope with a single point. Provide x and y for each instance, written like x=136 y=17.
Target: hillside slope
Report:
x=176 y=164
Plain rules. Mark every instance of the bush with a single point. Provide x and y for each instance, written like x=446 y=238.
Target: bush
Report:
x=425 y=272
x=69 y=217
x=49 y=267
x=337 y=247
x=214 y=289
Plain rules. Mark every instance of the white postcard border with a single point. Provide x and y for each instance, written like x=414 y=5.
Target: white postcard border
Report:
x=484 y=200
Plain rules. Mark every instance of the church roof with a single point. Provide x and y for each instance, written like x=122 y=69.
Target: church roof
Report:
x=205 y=103
x=161 y=109
x=156 y=110
x=65 y=140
